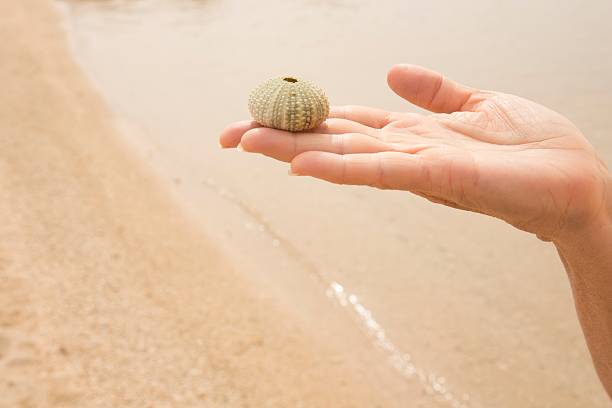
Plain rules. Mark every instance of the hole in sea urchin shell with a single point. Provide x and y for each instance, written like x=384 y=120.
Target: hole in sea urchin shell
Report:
x=289 y=79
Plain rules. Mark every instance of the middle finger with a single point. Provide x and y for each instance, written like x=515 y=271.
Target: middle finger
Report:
x=282 y=145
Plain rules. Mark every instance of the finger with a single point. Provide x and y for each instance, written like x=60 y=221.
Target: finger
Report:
x=337 y=125
x=284 y=146
x=231 y=135
x=430 y=90
x=371 y=117
x=387 y=170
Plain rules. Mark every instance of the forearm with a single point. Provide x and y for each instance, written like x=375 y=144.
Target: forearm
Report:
x=588 y=260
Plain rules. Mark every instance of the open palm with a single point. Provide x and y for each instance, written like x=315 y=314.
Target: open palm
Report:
x=481 y=151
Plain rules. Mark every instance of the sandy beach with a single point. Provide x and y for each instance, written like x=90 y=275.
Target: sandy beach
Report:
x=142 y=267
x=109 y=296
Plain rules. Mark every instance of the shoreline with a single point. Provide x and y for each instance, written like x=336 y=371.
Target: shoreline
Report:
x=109 y=294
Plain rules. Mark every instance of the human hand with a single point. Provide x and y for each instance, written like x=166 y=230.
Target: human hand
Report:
x=482 y=151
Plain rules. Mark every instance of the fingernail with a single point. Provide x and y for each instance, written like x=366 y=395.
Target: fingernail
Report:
x=291 y=173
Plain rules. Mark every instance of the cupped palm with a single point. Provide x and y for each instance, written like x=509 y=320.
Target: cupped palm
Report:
x=482 y=151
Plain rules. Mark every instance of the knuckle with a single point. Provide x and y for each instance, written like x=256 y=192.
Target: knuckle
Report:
x=382 y=180
x=343 y=165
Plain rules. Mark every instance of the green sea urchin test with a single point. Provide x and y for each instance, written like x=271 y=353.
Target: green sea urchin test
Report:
x=289 y=103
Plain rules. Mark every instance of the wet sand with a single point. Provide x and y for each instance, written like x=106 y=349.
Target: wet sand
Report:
x=141 y=266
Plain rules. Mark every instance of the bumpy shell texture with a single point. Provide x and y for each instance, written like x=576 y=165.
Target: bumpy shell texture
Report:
x=289 y=103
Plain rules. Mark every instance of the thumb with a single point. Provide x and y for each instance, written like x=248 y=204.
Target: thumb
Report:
x=429 y=89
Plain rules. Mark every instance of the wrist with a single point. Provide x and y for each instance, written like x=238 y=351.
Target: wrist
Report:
x=595 y=231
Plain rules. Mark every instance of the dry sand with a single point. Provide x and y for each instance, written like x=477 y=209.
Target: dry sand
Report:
x=108 y=295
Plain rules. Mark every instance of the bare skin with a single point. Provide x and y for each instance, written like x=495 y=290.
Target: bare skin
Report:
x=481 y=151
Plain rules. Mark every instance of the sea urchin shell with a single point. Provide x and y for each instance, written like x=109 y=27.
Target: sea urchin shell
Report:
x=289 y=103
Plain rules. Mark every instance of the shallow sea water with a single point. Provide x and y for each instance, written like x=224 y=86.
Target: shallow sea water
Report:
x=463 y=309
